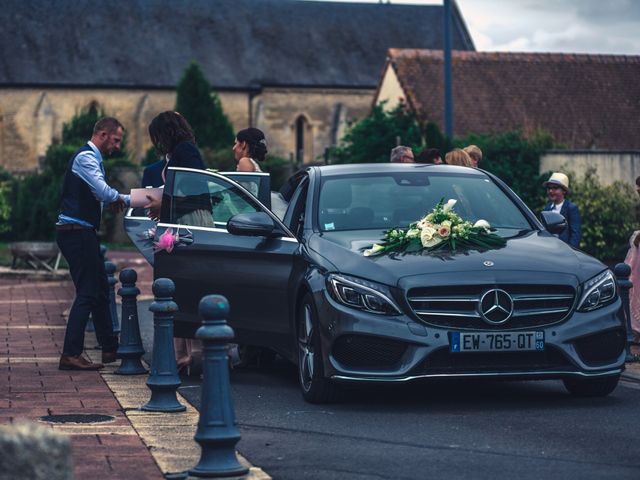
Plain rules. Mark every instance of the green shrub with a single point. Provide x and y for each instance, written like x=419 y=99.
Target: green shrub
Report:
x=6 y=196
x=372 y=138
x=514 y=159
x=608 y=216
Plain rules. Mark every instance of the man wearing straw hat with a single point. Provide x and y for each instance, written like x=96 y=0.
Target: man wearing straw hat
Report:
x=557 y=189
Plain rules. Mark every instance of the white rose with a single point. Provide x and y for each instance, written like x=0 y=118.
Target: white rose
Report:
x=482 y=224
x=449 y=205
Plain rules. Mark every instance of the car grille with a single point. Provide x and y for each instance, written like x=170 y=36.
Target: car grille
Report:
x=362 y=351
x=443 y=361
x=458 y=306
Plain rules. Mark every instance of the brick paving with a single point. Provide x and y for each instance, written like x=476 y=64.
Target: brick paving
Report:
x=31 y=339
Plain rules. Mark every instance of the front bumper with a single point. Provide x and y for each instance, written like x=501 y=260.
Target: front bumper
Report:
x=365 y=347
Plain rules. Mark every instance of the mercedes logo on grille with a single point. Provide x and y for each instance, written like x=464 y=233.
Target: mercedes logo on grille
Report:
x=496 y=306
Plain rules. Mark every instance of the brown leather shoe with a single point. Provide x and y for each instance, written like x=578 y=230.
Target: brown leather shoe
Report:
x=68 y=362
x=109 y=357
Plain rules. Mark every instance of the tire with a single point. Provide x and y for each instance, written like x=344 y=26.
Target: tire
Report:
x=314 y=386
x=591 y=387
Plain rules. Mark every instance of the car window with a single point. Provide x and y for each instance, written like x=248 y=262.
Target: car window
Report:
x=207 y=201
x=384 y=201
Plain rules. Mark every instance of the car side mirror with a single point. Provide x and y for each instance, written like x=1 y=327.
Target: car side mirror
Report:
x=257 y=224
x=554 y=222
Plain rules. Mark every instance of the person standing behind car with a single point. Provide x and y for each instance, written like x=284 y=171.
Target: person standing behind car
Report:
x=173 y=137
x=402 y=154
x=458 y=156
x=557 y=189
x=84 y=192
x=430 y=155
x=249 y=148
x=475 y=154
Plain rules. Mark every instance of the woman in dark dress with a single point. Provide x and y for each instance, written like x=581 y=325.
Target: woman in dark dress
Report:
x=173 y=137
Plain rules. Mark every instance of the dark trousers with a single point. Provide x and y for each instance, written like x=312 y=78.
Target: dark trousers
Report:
x=81 y=249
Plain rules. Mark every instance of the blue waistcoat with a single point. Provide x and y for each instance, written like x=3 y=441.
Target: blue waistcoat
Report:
x=78 y=201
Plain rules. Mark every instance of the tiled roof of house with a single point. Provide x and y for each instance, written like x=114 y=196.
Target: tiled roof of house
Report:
x=584 y=101
x=238 y=43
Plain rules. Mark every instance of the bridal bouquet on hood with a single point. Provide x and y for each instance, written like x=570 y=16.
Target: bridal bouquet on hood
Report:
x=441 y=229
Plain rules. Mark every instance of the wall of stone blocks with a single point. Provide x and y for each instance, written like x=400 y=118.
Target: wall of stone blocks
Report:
x=327 y=114
x=30 y=118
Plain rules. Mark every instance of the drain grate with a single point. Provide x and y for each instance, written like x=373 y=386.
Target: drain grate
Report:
x=77 y=418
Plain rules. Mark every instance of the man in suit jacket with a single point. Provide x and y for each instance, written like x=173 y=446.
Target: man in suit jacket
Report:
x=557 y=189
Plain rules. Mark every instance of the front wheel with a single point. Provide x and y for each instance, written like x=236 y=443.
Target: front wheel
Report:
x=591 y=387
x=315 y=387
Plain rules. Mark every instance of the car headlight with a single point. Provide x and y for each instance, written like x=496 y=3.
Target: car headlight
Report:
x=363 y=295
x=598 y=291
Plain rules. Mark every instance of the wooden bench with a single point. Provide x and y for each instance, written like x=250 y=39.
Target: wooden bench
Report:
x=37 y=255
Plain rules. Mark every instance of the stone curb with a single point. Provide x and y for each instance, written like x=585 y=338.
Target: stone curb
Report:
x=169 y=436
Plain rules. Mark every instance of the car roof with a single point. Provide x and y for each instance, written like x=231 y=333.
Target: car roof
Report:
x=359 y=168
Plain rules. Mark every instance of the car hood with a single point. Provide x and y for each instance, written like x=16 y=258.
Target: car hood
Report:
x=532 y=254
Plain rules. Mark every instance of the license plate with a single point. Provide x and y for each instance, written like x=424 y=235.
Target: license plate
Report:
x=495 y=341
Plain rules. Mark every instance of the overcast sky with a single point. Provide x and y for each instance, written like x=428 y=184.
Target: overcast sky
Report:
x=571 y=26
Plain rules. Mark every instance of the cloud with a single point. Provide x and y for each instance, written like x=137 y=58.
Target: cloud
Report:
x=584 y=26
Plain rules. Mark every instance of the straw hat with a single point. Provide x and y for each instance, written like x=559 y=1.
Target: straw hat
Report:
x=559 y=179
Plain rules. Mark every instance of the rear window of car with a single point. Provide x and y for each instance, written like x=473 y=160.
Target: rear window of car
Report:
x=389 y=200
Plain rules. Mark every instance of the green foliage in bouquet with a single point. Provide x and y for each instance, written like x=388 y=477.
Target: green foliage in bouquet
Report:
x=442 y=229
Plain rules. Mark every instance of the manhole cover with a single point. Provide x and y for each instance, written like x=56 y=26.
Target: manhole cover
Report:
x=77 y=418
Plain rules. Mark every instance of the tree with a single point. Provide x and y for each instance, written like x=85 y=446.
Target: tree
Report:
x=203 y=110
x=372 y=138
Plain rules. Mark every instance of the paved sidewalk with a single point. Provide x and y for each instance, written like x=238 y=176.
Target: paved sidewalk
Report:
x=133 y=444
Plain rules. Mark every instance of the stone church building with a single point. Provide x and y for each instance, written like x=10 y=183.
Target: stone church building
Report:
x=299 y=70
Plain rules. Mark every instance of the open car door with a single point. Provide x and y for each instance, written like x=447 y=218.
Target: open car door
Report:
x=140 y=228
x=251 y=267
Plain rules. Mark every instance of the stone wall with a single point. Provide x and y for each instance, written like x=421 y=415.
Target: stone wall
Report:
x=609 y=166
x=323 y=114
x=30 y=118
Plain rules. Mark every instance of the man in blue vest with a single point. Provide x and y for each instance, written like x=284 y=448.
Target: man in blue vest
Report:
x=557 y=189
x=84 y=193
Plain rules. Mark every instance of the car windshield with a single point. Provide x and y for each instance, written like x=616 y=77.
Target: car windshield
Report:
x=388 y=200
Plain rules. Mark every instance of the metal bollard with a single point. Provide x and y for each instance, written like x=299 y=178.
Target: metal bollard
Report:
x=111 y=278
x=622 y=272
x=217 y=431
x=130 y=349
x=163 y=380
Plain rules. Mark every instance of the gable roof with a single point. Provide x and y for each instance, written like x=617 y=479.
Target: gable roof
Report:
x=238 y=43
x=584 y=101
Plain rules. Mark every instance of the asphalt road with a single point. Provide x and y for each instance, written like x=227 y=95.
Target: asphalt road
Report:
x=443 y=429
